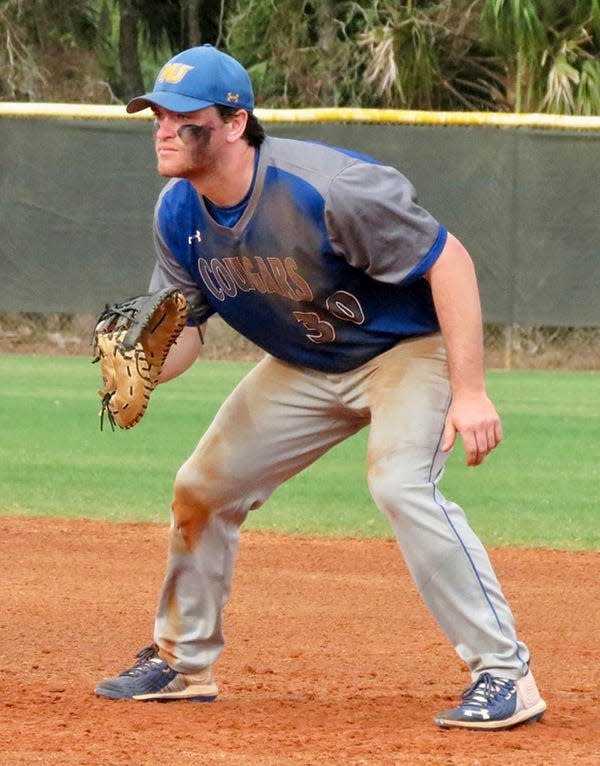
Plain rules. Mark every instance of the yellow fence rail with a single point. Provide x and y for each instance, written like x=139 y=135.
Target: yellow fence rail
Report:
x=348 y=114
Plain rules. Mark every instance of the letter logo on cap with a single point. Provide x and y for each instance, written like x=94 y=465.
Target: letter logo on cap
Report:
x=233 y=98
x=173 y=73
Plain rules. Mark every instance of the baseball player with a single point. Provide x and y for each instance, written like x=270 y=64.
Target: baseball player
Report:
x=368 y=311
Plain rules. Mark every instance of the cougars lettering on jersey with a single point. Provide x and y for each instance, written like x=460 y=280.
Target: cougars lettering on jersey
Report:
x=325 y=266
x=224 y=278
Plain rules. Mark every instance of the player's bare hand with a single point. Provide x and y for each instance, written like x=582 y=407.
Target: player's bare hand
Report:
x=473 y=416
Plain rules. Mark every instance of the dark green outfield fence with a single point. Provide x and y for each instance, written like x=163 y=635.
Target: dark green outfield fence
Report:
x=78 y=187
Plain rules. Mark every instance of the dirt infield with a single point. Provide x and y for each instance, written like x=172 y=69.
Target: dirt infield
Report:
x=331 y=657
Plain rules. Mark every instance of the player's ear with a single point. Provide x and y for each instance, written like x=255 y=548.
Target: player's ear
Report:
x=237 y=125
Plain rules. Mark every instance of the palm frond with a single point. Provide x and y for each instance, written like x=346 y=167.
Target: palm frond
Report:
x=588 y=96
x=563 y=79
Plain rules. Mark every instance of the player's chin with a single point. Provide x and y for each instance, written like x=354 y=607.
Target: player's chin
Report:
x=181 y=171
x=169 y=164
x=164 y=169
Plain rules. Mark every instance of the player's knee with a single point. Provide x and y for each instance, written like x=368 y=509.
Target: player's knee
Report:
x=197 y=492
x=392 y=490
x=193 y=491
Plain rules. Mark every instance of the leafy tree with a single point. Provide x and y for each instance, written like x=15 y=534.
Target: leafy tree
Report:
x=426 y=56
x=301 y=52
x=510 y=55
x=42 y=38
x=20 y=77
x=127 y=39
x=364 y=53
x=151 y=30
x=550 y=52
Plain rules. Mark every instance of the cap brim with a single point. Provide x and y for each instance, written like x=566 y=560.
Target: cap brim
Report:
x=174 y=102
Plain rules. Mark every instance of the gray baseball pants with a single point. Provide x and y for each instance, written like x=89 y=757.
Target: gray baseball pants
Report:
x=279 y=420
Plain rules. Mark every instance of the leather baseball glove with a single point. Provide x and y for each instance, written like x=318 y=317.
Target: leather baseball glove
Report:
x=131 y=341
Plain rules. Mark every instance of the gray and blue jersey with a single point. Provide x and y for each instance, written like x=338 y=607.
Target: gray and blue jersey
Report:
x=324 y=268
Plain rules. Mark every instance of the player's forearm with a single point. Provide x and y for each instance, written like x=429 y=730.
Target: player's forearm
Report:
x=456 y=297
x=182 y=355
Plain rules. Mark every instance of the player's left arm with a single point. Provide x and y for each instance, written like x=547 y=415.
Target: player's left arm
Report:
x=456 y=297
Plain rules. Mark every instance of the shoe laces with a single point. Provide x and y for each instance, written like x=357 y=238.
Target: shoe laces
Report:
x=143 y=660
x=486 y=690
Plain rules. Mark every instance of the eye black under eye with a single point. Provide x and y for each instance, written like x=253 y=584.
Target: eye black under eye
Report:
x=197 y=132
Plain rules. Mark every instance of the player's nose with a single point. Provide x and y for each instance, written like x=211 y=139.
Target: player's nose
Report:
x=165 y=127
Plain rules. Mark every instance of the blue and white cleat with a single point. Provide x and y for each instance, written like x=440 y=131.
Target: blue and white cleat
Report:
x=151 y=679
x=495 y=703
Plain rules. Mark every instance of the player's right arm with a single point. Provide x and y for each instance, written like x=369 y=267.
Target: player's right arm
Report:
x=168 y=271
x=182 y=354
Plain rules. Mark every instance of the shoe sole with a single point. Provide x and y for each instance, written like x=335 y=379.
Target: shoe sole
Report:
x=110 y=694
x=174 y=698
x=193 y=693
x=530 y=715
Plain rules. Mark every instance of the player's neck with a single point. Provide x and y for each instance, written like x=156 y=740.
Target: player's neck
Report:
x=231 y=178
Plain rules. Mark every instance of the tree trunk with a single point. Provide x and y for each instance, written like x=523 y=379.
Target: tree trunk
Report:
x=326 y=45
x=132 y=82
x=193 y=23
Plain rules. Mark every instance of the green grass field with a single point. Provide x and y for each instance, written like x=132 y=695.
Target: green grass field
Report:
x=540 y=488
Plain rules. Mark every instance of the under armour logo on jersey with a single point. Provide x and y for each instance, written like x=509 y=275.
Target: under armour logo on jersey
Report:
x=197 y=236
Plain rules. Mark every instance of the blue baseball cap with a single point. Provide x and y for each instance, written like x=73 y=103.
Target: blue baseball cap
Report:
x=197 y=78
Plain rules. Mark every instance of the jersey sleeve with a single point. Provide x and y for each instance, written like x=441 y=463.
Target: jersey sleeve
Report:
x=168 y=272
x=375 y=222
